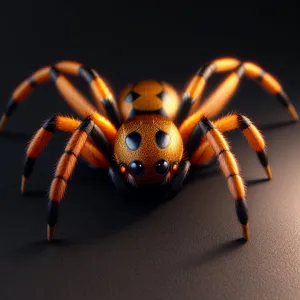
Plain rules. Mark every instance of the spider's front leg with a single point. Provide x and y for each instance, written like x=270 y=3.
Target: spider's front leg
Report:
x=64 y=171
x=56 y=123
x=230 y=169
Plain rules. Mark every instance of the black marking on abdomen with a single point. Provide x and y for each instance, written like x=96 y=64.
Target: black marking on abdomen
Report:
x=135 y=112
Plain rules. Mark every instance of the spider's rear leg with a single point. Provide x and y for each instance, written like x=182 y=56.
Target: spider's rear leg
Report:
x=71 y=95
x=60 y=123
x=222 y=94
x=230 y=169
x=201 y=153
x=192 y=95
x=217 y=100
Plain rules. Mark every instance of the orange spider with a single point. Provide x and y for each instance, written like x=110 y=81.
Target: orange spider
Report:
x=151 y=137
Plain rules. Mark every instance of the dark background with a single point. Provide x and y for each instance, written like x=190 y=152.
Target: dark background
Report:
x=184 y=249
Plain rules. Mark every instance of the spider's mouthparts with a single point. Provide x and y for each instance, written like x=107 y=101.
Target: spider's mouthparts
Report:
x=131 y=180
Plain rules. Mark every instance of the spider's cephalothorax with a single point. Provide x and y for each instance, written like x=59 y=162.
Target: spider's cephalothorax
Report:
x=149 y=97
x=148 y=149
x=149 y=137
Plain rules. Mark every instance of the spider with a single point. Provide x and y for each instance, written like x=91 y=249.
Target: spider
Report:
x=150 y=137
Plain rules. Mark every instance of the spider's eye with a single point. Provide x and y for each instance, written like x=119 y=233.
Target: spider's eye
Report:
x=122 y=168
x=136 y=168
x=133 y=140
x=161 y=167
x=162 y=139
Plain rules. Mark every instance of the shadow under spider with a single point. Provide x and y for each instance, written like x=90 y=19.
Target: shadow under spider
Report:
x=218 y=252
x=277 y=125
x=16 y=135
x=99 y=211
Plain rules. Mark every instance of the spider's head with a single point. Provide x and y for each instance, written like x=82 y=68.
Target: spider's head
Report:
x=148 y=150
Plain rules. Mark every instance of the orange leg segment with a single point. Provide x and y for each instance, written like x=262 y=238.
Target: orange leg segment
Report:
x=103 y=95
x=40 y=140
x=64 y=171
x=192 y=95
x=194 y=90
x=230 y=169
x=217 y=100
x=73 y=97
x=204 y=153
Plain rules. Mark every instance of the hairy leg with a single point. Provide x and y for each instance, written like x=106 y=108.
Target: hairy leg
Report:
x=42 y=137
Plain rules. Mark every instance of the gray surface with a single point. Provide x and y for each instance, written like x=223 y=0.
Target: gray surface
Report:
x=188 y=248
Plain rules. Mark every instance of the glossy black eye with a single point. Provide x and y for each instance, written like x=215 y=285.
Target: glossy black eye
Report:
x=133 y=140
x=131 y=97
x=136 y=168
x=161 y=167
x=162 y=139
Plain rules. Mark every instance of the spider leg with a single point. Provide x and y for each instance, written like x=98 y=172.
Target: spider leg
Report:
x=217 y=100
x=192 y=95
x=194 y=90
x=201 y=153
x=90 y=150
x=103 y=95
x=230 y=169
x=64 y=170
x=73 y=97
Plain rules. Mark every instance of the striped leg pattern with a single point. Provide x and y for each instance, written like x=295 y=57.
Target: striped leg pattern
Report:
x=230 y=169
x=103 y=96
x=218 y=99
x=98 y=158
x=64 y=171
x=201 y=152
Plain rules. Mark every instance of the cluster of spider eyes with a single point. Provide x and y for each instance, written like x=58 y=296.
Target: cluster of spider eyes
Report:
x=136 y=168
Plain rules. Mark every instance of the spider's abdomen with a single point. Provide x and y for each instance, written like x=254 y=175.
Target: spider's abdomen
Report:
x=149 y=97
